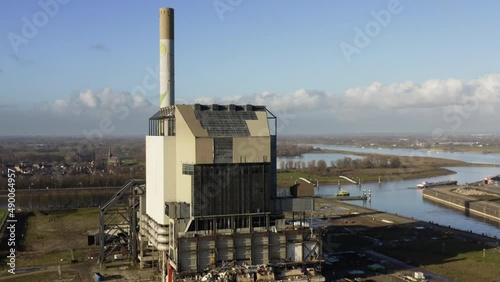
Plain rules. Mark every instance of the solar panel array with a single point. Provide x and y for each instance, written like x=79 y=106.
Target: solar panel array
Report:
x=225 y=123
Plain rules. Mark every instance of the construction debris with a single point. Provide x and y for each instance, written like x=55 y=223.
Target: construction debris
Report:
x=251 y=273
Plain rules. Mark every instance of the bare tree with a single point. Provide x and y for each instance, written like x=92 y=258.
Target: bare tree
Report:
x=395 y=162
x=321 y=166
x=311 y=165
x=344 y=163
x=297 y=164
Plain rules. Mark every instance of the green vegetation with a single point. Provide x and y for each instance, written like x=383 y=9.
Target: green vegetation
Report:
x=45 y=277
x=128 y=162
x=3 y=214
x=460 y=260
x=51 y=236
x=370 y=168
x=50 y=258
x=289 y=149
x=287 y=178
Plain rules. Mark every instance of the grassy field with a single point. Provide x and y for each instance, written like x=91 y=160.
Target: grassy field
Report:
x=45 y=277
x=460 y=260
x=3 y=214
x=52 y=236
x=287 y=178
x=412 y=168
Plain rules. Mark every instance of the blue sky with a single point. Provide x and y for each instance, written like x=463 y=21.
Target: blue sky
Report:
x=285 y=54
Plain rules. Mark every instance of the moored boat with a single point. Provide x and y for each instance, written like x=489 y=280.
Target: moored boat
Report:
x=426 y=184
x=342 y=193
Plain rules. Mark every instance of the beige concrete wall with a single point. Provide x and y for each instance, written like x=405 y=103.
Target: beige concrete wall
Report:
x=251 y=149
x=186 y=150
x=187 y=113
x=170 y=171
x=205 y=150
x=259 y=127
x=155 y=178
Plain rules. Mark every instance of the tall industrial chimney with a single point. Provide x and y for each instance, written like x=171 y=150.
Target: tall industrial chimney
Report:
x=167 y=97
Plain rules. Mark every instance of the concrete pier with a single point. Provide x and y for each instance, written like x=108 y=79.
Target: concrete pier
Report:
x=486 y=207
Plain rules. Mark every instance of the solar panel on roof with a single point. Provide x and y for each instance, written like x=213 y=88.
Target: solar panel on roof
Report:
x=225 y=123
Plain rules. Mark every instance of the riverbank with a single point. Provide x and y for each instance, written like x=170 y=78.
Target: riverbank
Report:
x=361 y=154
x=483 y=149
x=411 y=167
x=441 y=252
x=478 y=201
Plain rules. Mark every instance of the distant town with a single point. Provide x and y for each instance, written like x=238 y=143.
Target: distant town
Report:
x=46 y=163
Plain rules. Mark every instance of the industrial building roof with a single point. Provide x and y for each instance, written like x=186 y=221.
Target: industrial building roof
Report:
x=225 y=120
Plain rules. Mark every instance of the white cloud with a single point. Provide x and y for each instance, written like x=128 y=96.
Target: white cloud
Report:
x=60 y=106
x=433 y=94
x=406 y=106
x=88 y=99
x=96 y=103
x=430 y=94
x=300 y=99
x=140 y=101
x=451 y=105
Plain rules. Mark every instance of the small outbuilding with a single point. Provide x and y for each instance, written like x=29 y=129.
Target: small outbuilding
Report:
x=302 y=188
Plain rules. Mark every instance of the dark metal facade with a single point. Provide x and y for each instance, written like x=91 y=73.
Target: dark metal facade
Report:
x=221 y=189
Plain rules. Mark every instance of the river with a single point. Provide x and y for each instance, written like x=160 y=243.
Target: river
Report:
x=460 y=156
x=402 y=198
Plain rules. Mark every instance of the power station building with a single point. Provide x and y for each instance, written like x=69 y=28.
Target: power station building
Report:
x=208 y=161
x=209 y=172
x=210 y=185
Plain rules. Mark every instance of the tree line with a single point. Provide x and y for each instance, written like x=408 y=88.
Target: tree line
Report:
x=72 y=181
x=285 y=149
x=345 y=163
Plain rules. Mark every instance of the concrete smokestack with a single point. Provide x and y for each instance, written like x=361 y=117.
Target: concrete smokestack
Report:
x=167 y=97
